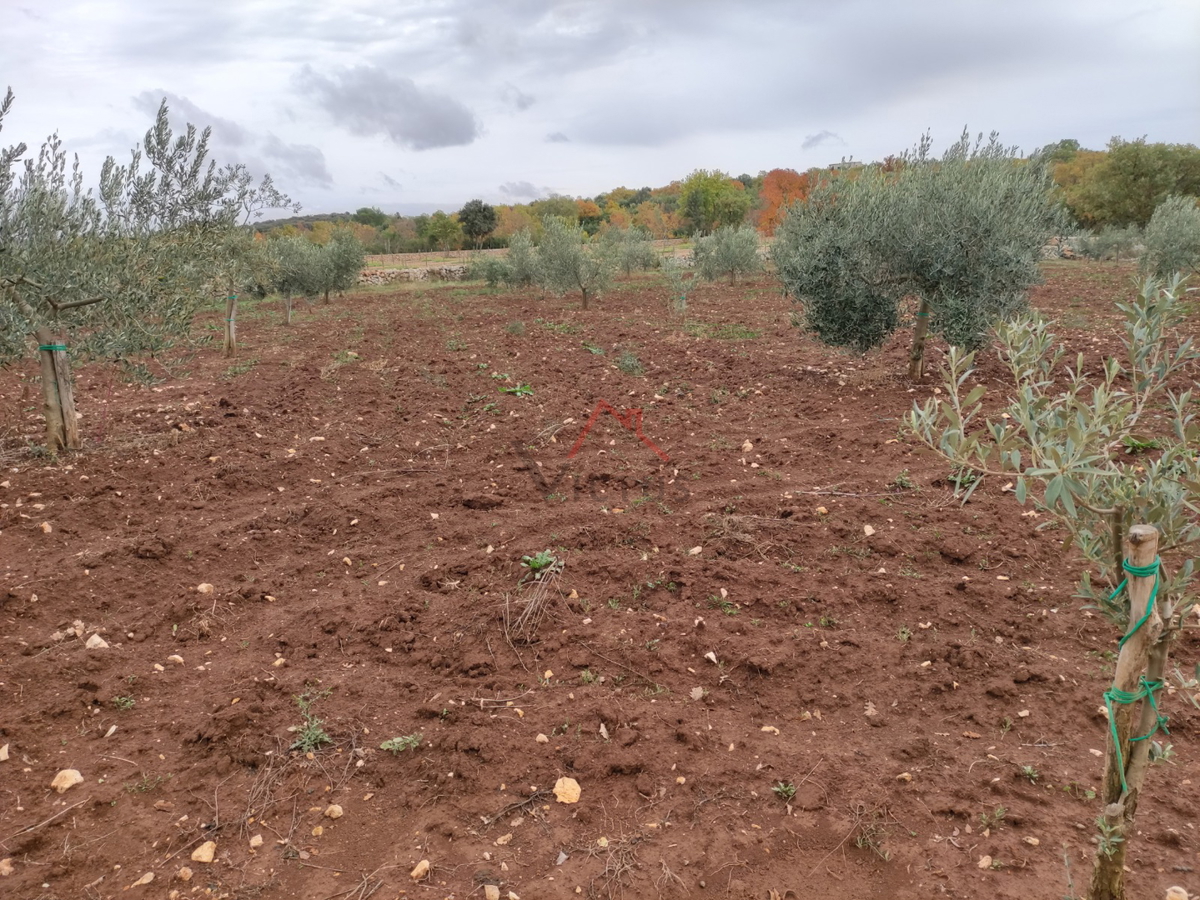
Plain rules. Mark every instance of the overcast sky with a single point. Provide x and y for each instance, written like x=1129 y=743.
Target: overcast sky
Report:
x=420 y=104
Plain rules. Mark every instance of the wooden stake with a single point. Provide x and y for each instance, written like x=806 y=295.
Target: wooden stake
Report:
x=1129 y=766
x=66 y=398
x=916 y=356
x=231 y=324
x=51 y=401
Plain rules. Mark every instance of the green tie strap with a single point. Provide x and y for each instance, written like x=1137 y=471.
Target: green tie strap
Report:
x=62 y=347
x=1146 y=688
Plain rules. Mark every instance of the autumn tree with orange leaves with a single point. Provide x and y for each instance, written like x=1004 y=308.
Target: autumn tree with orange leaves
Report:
x=780 y=189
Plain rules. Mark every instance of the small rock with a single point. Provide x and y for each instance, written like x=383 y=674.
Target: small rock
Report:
x=47 y=528
x=1176 y=893
x=420 y=870
x=205 y=853
x=333 y=811
x=184 y=874
x=256 y=842
x=503 y=839
x=95 y=642
x=868 y=530
x=566 y=790
x=491 y=892
x=1031 y=841
x=175 y=658
x=204 y=588
x=695 y=551
x=6 y=867
x=145 y=879
x=164 y=805
x=985 y=862
x=4 y=753
x=542 y=739
x=66 y=779
x=822 y=511
x=513 y=896
x=904 y=776
x=747 y=447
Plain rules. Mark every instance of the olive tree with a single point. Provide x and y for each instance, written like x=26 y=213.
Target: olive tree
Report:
x=1172 y=237
x=568 y=261
x=122 y=267
x=631 y=249
x=294 y=271
x=1073 y=443
x=730 y=251
x=341 y=262
x=962 y=235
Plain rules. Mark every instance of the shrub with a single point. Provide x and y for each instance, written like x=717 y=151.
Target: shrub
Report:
x=1173 y=238
x=492 y=269
x=1112 y=242
x=731 y=250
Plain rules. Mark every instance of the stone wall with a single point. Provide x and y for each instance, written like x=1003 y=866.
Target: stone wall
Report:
x=428 y=273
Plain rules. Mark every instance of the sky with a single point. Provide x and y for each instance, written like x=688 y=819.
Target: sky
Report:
x=415 y=105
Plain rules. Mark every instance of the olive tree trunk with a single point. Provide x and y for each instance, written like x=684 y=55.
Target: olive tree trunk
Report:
x=1142 y=662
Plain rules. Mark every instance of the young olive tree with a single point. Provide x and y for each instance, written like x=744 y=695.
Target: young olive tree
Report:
x=1075 y=453
x=569 y=262
x=524 y=263
x=961 y=234
x=632 y=249
x=731 y=250
x=123 y=267
x=295 y=270
x=341 y=262
x=1172 y=237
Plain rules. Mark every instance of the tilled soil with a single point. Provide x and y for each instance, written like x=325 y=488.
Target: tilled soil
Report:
x=318 y=547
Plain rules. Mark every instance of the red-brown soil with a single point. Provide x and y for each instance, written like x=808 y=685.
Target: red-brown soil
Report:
x=360 y=494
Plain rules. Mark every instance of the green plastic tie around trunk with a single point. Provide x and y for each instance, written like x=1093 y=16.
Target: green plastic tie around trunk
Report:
x=62 y=347
x=1146 y=688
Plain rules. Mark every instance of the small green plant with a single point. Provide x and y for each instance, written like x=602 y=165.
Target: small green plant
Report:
x=628 y=363
x=1110 y=838
x=124 y=703
x=1160 y=752
x=991 y=820
x=398 y=745
x=1134 y=444
x=521 y=390
x=1031 y=773
x=310 y=736
x=587 y=677
x=785 y=791
x=904 y=635
x=144 y=785
x=593 y=349
x=515 y=328
x=540 y=564
x=903 y=482
x=614 y=603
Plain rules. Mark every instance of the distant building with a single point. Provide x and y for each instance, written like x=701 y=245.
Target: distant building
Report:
x=845 y=164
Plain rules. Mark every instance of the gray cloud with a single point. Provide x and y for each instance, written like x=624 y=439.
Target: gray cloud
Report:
x=390 y=181
x=517 y=98
x=366 y=100
x=181 y=111
x=523 y=190
x=821 y=137
x=557 y=137
x=302 y=161
x=231 y=143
